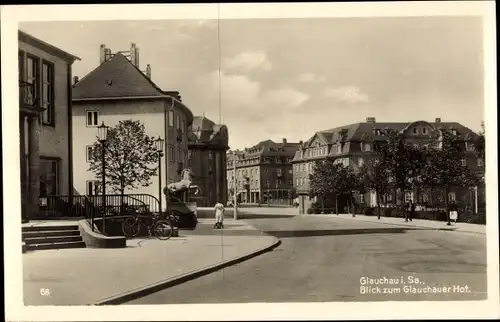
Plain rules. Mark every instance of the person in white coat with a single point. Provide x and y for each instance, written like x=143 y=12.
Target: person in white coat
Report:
x=219 y=215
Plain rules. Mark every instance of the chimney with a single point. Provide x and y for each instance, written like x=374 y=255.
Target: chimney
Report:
x=438 y=120
x=75 y=80
x=132 y=53
x=107 y=54
x=148 y=70
x=284 y=140
x=370 y=120
x=102 y=52
x=136 y=57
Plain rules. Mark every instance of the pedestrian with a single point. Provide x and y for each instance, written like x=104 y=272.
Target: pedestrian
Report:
x=219 y=215
x=412 y=210
x=406 y=209
x=453 y=212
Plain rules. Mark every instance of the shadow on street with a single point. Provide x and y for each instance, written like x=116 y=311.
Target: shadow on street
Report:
x=336 y=232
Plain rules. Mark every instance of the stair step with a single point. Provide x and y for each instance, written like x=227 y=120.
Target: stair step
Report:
x=54 y=233
x=49 y=228
x=50 y=240
x=63 y=245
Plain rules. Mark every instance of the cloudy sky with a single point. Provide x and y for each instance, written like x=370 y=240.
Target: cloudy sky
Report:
x=291 y=77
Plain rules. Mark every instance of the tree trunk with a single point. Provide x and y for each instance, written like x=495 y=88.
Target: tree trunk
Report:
x=378 y=205
x=446 y=205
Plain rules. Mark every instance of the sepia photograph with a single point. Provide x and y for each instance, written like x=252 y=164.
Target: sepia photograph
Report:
x=223 y=158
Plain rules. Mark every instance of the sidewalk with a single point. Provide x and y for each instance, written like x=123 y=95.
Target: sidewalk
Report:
x=90 y=275
x=416 y=223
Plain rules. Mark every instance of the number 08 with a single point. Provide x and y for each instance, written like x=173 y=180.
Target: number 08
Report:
x=44 y=292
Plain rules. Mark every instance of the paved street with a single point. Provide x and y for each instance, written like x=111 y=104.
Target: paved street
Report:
x=327 y=259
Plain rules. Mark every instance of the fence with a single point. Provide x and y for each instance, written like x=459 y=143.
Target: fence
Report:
x=91 y=207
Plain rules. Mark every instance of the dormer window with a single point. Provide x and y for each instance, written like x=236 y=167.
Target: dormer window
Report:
x=453 y=132
x=366 y=147
x=415 y=130
x=378 y=132
x=424 y=130
x=469 y=146
x=339 y=148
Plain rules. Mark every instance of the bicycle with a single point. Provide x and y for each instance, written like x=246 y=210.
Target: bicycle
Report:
x=160 y=228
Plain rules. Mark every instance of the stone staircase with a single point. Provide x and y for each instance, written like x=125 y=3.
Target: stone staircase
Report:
x=52 y=237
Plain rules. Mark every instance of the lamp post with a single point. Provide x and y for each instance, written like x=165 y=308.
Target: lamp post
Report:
x=102 y=133
x=235 y=199
x=159 y=148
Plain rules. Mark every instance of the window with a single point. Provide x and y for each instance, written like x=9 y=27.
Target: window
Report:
x=297 y=182
x=49 y=177
x=278 y=183
x=89 y=152
x=463 y=162
x=210 y=157
x=480 y=162
x=362 y=198
x=278 y=172
x=469 y=146
x=92 y=187
x=378 y=132
x=189 y=154
x=388 y=197
x=171 y=118
x=48 y=116
x=361 y=161
x=367 y=147
x=415 y=130
x=453 y=132
x=178 y=121
x=424 y=130
x=339 y=148
x=171 y=152
x=92 y=118
x=268 y=183
x=32 y=74
x=183 y=128
x=425 y=198
x=408 y=196
x=451 y=196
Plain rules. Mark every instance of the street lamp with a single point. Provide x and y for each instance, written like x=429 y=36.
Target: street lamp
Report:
x=159 y=148
x=235 y=199
x=102 y=134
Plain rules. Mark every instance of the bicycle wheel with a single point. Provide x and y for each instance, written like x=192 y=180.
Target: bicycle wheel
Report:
x=131 y=227
x=162 y=229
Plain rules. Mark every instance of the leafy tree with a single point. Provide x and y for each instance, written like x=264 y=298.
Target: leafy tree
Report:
x=130 y=157
x=328 y=181
x=480 y=144
x=374 y=175
x=444 y=168
x=404 y=162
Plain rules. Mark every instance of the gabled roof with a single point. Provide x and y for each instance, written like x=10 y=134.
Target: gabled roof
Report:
x=116 y=78
x=205 y=132
x=45 y=46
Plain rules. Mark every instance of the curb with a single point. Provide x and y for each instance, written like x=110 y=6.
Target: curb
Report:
x=414 y=226
x=161 y=285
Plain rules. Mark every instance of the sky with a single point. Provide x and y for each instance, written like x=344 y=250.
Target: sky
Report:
x=290 y=77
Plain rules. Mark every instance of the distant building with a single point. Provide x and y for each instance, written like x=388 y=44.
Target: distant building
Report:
x=263 y=173
x=207 y=144
x=118 y=90
x=354 y=144
x=44 y=123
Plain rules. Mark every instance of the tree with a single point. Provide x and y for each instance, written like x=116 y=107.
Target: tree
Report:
x=130 y=157
x=480 y=144
x=404 y=162
x=374 y=176
x=328 y=181
x=444 y=167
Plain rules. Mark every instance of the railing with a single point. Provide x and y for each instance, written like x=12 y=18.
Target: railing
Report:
x=91 y=206
x=27 y=96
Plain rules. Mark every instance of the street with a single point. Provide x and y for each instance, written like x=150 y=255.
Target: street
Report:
x=335 y=259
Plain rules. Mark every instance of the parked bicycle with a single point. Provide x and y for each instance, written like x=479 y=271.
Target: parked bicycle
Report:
x=160 y=228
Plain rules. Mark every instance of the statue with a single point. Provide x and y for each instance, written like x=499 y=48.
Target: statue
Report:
x=183 y=185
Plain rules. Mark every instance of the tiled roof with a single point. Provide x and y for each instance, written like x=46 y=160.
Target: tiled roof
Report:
x=49 y=48
x=269 y=148
x=117 y=77
x=365 y=131
x=206 y=132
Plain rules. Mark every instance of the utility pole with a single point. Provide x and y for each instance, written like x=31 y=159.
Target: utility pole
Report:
x=235 y=199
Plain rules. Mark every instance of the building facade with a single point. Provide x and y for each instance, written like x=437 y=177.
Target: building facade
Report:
x=44 y=123
x=354 y=144
x=208 y=144
x=118 y=90
x=263 y=173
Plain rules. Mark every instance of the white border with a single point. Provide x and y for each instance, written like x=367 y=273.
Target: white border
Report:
x=11 y=15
